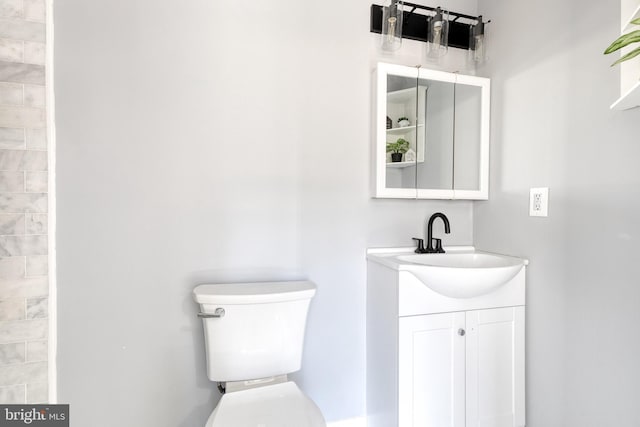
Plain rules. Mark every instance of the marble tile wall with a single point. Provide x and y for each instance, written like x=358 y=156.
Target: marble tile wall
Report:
x=23 y=203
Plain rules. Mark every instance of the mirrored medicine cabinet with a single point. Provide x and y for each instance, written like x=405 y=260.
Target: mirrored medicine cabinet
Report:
x=439 y=124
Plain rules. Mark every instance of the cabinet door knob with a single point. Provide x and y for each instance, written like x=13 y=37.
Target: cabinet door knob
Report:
x=461 y=332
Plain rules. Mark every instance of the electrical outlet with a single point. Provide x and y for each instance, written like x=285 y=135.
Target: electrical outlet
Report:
x=539 y=202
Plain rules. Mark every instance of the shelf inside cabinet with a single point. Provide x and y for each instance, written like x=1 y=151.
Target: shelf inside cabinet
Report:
x=630 y=99
x=402 y=95
x=629 y=70
x=626 y=26
x=402 y=130
x=401 y=165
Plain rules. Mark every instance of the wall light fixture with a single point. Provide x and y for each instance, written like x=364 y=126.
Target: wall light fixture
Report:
x=436 y=26
x=392 y=25
x=438 y=33
x=478 y=42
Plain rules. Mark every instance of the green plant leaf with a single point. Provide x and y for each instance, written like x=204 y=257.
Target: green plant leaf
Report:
x=636 y=21
x=623 y=40
x=628 y=56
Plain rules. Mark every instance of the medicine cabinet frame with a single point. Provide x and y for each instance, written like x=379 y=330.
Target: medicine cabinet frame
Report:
x=381 y=133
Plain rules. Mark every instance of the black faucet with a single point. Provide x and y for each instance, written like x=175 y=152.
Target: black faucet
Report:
x=438 y=249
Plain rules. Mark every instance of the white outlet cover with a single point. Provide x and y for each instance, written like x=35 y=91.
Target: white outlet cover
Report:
x=539 y=201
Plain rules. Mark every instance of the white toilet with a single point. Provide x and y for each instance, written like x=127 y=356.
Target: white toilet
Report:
x=253 y=336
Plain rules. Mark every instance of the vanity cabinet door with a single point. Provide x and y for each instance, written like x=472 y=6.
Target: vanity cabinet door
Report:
x=462 y=369
x=431 y=365
x=495 y=367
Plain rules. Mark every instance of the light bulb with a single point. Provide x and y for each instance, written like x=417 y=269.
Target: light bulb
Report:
x=438 y=34
x=392 y=28
x=478 y=52
x=392 y=25
x=478 y=42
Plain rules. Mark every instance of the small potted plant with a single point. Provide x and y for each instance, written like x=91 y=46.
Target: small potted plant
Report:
x=403 y=122
x=624 y=41
x=397 y=149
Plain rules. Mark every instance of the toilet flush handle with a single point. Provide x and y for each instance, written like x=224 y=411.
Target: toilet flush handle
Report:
x=218 y=312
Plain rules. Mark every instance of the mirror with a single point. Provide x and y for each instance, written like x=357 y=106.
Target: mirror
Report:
x=402 y=99
x=432 y=136
x=436 y=171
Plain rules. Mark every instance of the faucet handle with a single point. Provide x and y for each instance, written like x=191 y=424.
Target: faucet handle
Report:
x=438 y=249
x=420 y=249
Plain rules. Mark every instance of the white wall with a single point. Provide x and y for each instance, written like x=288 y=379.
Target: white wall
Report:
x=213 y=141
x=552 y=127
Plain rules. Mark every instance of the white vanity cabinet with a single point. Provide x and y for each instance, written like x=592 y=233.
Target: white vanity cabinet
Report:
x=435 y=361
x=462 y=369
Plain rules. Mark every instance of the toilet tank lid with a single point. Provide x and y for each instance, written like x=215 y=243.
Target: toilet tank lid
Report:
x=253 y=293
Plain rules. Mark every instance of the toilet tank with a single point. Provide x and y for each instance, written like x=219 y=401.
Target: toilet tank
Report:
x=260 y=333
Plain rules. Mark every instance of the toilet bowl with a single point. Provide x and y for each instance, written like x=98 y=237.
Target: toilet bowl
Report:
x=279 y=405
x=254 y=335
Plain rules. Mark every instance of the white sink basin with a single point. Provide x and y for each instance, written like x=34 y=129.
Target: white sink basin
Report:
x=461 y=275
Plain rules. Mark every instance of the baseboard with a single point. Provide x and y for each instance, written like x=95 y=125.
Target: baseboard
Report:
x=351 y=422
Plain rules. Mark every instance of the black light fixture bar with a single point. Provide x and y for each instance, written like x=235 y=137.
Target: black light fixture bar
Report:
x=414 y=25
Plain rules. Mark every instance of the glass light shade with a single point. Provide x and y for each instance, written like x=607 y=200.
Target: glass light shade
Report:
x=438 y=34
x=478 y=42
x=392 y=25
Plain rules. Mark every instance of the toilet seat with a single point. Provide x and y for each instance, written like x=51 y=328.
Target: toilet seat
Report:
x=278 y=405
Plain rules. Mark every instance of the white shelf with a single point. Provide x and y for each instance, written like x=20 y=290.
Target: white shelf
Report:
x=401 y=165
x=402 y=95
x=402 y=130
x=630 y=99
x=627 y=25
x=629 y=70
